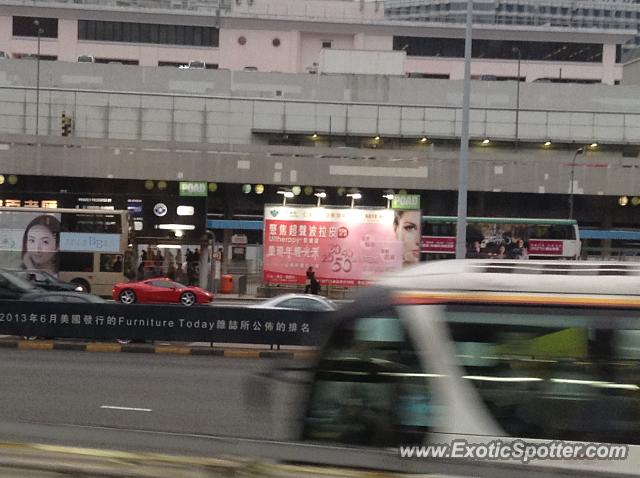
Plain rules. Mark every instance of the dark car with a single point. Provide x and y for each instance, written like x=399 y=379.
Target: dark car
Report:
x=46 y=281
x=14 y=287
x=63 y=296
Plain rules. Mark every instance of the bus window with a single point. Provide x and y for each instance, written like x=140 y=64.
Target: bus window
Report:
x=369 y=387
x=111 y=263
x=76 y=261
x=575 y=380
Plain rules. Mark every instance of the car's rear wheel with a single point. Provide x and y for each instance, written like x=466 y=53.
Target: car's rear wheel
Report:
x=188 y=298
x=127 y=296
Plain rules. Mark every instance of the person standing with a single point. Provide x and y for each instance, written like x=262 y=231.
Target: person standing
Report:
x=314 y=288
x=311 y=277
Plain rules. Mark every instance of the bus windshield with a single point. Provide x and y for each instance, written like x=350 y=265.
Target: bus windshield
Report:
x=502 y=238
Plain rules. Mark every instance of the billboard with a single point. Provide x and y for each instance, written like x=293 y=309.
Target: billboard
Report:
x=29 y=240
x=345 y=246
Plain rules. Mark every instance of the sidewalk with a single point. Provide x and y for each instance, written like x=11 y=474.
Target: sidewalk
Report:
x=253 y=351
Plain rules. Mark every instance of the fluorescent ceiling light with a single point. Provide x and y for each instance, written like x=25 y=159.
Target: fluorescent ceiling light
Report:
x=177 y=227
x=185 y=211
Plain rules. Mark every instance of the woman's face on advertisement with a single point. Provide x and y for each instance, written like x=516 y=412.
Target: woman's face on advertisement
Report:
x=408 y=232
x=41 y=245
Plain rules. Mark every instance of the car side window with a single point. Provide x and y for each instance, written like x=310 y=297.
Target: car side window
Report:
x=162 y=283
x=370 y=388
x=291 y=304
x=316 y=305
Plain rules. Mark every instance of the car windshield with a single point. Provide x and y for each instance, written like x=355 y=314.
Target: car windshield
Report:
x=40 y=275
x=17 y=281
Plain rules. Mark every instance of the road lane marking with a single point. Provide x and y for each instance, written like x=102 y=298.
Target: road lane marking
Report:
x=132 y=409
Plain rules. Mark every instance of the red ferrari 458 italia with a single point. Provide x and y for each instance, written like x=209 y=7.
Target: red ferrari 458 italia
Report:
x=160 y=290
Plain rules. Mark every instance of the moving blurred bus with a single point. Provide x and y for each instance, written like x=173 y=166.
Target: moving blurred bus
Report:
x=542 y=238
x=479 y=349
x=88 y=247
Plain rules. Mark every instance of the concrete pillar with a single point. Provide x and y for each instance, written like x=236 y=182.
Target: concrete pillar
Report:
x=203 y=278
x=608 y=64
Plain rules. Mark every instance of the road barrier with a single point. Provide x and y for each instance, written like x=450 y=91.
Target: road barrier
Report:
x=231 y=324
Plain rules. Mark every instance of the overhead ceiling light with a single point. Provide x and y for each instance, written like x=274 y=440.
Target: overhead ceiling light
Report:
x=169 y=246
x=593 y=145
x=486 y=141
x=377 y=137
x=547 y=143
x=185 y=211
x=314 y=136
x=177 y=227
x=623 y=200
x=423 y=139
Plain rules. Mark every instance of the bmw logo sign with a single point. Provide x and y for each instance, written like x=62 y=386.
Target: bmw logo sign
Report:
x=160 y=209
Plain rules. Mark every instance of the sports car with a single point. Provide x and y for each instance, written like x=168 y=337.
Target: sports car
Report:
x=160 y=290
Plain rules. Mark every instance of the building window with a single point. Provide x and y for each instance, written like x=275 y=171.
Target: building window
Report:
x=500 y=50
x=24 y=27
x=147 y=33
x=326 y=44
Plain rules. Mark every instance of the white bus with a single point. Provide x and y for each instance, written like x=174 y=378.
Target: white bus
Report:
x=89 y=247
x=497 y=237
x=486 y=350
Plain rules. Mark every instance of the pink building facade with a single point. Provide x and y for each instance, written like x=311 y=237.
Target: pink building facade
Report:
x=288 y=36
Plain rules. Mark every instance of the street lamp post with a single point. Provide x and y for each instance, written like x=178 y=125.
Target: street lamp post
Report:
x=517 y=50
x=573 y=170
x=40 y=32
x=463 y=163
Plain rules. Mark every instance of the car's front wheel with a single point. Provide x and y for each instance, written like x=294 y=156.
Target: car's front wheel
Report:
x=127 y=296
x=188 y=298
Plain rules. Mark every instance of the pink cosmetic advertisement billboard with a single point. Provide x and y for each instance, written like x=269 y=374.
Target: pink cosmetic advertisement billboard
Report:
x=345 y=246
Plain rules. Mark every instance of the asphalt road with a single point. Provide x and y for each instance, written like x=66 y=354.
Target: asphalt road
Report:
x=145 y=402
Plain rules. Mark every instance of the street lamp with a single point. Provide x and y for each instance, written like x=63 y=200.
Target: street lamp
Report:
x=355 y=195
x=286 y=194
x=388 y=195
x=320 y=194
x=40 y=31
x=515 y=49
x=573 y=169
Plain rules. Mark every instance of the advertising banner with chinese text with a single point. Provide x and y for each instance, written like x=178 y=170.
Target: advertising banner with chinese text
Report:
x=344 y=246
